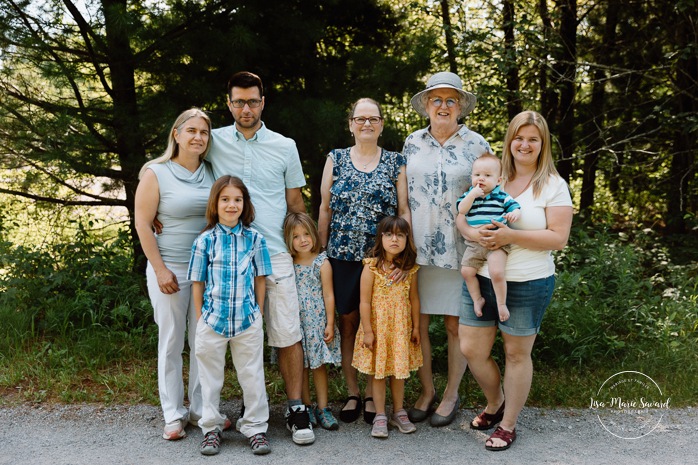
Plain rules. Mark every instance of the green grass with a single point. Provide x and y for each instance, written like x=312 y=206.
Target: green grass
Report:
x=77 y=326
x=42 y=372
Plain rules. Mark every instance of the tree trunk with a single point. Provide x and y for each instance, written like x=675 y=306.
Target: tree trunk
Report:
x=685 y=146
x=125 y=119
x=448 y=32
x=512 y=73
x=597 y=119
x=548 y=98
x=567 y=67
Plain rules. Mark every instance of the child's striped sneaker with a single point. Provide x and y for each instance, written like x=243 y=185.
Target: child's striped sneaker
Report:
x=260 y=444
x=211 y=444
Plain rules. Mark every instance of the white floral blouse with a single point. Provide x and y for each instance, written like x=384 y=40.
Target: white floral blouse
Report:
x=436 y=176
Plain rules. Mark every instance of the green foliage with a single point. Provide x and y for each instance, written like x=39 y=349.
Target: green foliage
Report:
x=76 y=322
x=77 y=326
x=72 y=286
x=621 y=301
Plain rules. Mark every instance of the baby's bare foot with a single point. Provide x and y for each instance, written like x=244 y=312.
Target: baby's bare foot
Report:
x=503 y=312
x=478 y=305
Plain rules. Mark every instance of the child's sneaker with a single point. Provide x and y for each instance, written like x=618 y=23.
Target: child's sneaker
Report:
x=211 y=444
x=380 y=426
x=238 y=423
x=298 y=423
x=402 y=422
x=174 y=430
x=326 y=419
x=311 y=414
x=260 y=444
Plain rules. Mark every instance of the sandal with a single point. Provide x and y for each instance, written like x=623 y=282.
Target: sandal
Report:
x=486 y=420
x=500 y=433
x=369 y=416
x=350 y=415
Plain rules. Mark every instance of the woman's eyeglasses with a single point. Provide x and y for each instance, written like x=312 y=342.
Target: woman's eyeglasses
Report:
x=437 y=102
x=361 y=120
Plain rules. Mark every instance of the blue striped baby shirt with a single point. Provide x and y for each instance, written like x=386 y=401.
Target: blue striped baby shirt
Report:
x=492 y=207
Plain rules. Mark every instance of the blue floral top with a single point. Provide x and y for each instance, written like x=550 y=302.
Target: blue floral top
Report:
x=359 y=201
x=436 y=176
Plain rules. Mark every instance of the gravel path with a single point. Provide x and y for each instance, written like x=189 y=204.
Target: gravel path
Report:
x=95 y=434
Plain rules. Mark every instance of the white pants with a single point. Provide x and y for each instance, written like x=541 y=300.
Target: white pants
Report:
x=172 y=312
x=247 y=350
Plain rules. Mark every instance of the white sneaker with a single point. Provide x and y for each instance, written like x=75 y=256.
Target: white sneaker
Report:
x=298 y=423
x=174 y=430
x=238 y=423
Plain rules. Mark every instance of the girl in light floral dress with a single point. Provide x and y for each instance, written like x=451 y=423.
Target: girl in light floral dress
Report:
x=388 y=343
x=320 y=336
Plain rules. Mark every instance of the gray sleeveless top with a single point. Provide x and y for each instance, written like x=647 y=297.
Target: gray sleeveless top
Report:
x=182 y=207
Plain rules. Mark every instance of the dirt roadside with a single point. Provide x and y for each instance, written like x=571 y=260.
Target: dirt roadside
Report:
x=95 y=434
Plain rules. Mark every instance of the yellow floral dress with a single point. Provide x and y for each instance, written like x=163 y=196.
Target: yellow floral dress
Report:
x=393 y=354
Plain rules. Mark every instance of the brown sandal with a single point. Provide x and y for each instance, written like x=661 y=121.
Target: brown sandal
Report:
x=500 y=433
x=486 y=420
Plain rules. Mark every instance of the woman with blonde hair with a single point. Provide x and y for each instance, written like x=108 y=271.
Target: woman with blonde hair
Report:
x=174 y=188
x=531 y=179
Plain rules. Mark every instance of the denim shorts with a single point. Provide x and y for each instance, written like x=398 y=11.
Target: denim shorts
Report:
x=526 y=301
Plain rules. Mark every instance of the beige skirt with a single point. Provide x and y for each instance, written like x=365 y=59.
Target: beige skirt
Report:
x=440 y=291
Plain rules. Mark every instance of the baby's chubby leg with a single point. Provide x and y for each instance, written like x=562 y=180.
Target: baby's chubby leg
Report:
x=497 y=261
x=470 y=276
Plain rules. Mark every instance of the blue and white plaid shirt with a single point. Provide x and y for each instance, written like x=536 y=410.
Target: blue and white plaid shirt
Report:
x=227 y=260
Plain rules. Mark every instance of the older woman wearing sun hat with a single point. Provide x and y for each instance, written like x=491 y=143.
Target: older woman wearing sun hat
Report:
x=439 y=163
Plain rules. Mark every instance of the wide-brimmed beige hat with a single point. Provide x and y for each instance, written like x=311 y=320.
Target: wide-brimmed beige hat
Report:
x=440 y=81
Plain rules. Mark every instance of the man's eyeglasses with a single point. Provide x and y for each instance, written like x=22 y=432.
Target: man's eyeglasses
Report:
x=361 y=120
x=437 y=102
x=252 y=103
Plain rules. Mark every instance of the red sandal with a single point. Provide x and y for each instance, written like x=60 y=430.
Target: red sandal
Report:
x=500 y=433
x=486 y=420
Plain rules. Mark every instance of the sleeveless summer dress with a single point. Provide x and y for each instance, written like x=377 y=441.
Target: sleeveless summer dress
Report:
x=314 y=317
x=393 y=354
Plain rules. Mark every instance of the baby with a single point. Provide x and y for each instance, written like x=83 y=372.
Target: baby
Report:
x=481 y=204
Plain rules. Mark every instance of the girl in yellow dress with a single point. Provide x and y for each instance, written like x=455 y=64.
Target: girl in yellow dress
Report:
x=387 y=343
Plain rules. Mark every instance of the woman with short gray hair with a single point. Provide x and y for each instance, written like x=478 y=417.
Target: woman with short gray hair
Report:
x=439 y=163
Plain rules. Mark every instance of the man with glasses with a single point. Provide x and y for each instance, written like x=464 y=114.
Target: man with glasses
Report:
x=269 y=165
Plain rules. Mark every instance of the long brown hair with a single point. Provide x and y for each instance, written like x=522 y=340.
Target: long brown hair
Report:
x=406 y=259
x=545 y=167
x=247 y=215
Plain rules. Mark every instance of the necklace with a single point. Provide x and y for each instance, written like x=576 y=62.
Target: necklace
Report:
x=373 y=158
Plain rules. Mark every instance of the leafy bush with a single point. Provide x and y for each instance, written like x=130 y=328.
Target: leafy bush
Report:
x=620 y=300
x=68 y=287
x=77 y=324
